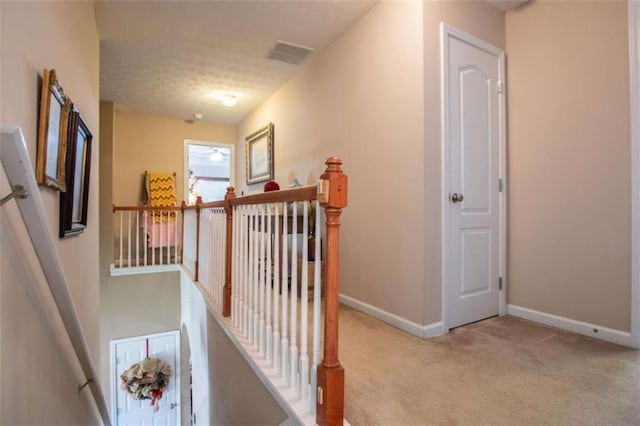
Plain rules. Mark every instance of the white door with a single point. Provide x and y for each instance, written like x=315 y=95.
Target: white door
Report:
x=473 y=107
x=124 y=353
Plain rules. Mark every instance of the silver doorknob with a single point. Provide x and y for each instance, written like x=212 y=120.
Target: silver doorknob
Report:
x=172 y=405
x=456 y=198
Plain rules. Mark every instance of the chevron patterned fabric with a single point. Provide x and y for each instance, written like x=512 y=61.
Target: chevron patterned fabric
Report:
x=162 y=192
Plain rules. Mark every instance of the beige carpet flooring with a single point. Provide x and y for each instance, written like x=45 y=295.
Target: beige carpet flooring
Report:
x=501 y=371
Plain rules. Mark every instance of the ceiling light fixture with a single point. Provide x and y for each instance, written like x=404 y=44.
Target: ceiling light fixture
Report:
x=198 y=116
x=216 y=156
x=229 y=100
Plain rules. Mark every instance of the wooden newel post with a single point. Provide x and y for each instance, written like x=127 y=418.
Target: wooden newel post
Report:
x=226 y=306
x=198 y=202
x=332 y=195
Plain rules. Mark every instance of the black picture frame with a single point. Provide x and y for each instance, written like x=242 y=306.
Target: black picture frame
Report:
x=74 y=201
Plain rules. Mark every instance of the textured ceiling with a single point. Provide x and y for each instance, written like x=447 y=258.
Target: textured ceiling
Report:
x=168 y=57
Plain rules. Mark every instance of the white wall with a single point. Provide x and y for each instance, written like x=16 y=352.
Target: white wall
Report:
x=194 y=319
x=38 y=383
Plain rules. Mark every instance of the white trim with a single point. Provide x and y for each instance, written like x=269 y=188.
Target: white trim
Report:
x=185 y=163
x=634 y=69
x=115 y=386
x=584 y=328
x=137 y=270
x=424 y=331
x=447 y=31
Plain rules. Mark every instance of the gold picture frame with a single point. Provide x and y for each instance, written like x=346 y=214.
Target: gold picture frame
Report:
x=259 y=155
x=55 y=107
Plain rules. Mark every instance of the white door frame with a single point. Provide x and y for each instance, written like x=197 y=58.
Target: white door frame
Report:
x=112 y=370
x=634 y=69
x=232 y=165
x=446 y=32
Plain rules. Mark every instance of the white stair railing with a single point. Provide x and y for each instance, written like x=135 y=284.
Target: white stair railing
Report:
x=146 y=236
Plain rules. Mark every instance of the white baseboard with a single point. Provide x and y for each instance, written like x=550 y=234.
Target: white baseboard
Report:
x=423 y=331
x=137 y=270
x=591 y=330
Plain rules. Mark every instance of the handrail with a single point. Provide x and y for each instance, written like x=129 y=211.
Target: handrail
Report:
x=146 y=208
x=15 y=160
x=286 y=195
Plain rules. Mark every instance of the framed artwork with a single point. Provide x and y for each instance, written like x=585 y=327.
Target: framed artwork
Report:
x=259 y=155
x=52 y=133
x=74 y=202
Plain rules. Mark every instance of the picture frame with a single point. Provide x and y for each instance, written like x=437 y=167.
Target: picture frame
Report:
x=259 y=155
x=53 y=122
x=74 y=202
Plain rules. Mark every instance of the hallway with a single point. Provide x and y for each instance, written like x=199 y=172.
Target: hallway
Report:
x=498 y=371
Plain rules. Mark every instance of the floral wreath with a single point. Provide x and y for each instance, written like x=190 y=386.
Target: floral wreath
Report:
x=147 y=379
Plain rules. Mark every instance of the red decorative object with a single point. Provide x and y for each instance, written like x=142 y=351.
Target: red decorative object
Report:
x=272 y=185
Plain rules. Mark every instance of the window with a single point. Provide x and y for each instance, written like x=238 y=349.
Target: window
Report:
x=208 y=171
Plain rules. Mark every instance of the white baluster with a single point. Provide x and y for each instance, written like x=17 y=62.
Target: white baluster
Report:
x=161 y=240
x=129 y=238
x=168 y=226
x=255 y=284
x=234 y=267
x=121 y=237
x=269 y=329
x=317 y=293
x=285 y=287
x=304 y=306
x=137 y=238
x=293 y=346
x=154 y=237
x=175 y=238
x=246 y=241
x=262 y=345
x=276 y=293
x=222 y=240
x=145 y=235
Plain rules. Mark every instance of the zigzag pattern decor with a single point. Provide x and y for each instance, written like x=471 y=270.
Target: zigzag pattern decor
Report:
x=162 y=192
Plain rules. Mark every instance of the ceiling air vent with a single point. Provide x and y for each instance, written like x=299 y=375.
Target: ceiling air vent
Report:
x=288 y=52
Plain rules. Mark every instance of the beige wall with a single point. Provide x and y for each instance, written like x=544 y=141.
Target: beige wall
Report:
x=153 y=143
x=361 y=100
x=60 y=35
x=233 y=383
x=373 y=98
x=569 y=160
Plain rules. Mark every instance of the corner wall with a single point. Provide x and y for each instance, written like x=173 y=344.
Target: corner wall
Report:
x=569 y=161
x=373 y=98
x=361 y=99
x=38 y=383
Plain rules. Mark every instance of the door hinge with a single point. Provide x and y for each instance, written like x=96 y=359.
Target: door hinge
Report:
x=500 y=86
x=500 y=185
x=500 y=283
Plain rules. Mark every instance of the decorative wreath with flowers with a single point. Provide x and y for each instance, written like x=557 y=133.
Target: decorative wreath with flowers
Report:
x=147 y=379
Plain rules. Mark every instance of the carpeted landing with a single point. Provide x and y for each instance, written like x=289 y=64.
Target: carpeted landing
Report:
x=501 y=371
